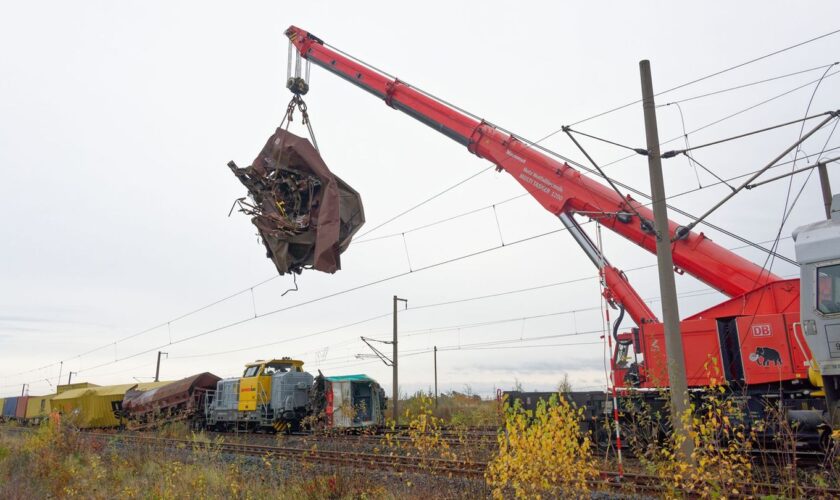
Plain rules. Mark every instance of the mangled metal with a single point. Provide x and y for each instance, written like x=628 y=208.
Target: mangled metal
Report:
x=305 y=214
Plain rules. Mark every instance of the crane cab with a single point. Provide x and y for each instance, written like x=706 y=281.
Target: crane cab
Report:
x=255 y=384
x=818 y=253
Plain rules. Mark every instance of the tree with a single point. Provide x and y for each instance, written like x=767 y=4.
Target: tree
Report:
x=565 y=386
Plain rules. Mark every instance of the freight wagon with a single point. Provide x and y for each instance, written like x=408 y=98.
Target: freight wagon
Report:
x=180 y=400
x=38 y=409
x=271 y=396
x=349 y=401
x=9 y=408
x=96 y=407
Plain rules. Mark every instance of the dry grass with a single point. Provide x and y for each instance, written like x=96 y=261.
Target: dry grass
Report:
x=61 y=463
x=455 y=409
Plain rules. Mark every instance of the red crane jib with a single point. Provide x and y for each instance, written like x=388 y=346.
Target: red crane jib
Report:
x=556 y=186
x=763 y=307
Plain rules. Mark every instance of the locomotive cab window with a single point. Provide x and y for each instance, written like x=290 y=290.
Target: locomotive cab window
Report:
x=251 y=371
x=828 y=289
x=272 y=369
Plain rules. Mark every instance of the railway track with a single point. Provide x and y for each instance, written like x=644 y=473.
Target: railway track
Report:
x=645 y=483
x=397 y=463
x=465 y=437
x=635 y=482
x=632 y=482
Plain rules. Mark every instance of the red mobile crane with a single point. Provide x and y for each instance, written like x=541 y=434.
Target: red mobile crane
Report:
x=752 y=335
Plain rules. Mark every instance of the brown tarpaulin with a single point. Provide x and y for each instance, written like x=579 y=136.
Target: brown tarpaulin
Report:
x=305 y=214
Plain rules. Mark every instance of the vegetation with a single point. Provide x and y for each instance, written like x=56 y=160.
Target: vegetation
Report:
x=536 y=454
x=543 y=453
x=455 y=409
x=60 y=463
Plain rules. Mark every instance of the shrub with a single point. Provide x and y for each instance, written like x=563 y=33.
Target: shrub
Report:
x=542 y=454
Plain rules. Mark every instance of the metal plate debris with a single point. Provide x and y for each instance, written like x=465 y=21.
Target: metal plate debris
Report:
x=305 y=214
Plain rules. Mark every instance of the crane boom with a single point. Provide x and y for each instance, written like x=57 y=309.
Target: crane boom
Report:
x=752 y=340
x=557 y=186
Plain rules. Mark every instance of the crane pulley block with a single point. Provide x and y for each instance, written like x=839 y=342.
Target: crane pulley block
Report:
x=305 y=215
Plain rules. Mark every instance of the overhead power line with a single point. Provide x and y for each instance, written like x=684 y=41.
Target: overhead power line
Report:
x=670 y=154
x=147 y=330
x=727 y=117
x=427 y=200
x=324 y=297
x=746 y=85
x=706 y=77
x=533 y=144
x=411 y=333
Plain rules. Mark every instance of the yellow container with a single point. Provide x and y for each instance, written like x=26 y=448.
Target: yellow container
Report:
x=96 y=406
x=38 y=406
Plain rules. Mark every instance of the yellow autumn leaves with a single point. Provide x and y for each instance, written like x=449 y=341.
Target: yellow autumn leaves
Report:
x=542 y=453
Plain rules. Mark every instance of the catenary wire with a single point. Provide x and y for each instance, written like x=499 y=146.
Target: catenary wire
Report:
x=478 y=173
x=325 y=297
x=147 y=330
x=411 y=333
x=711 y=75
x=727 y=117
x=274 y=277
x=553 y=133
x=669 y=154
x=427 y=200
x=745 y=85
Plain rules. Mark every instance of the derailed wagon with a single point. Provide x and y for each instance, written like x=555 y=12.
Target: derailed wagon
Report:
x=176 y=401
x=271 y=396
x=96 y=407
x=348 y=402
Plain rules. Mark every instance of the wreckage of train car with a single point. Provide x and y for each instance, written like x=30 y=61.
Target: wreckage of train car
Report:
x=305 y=214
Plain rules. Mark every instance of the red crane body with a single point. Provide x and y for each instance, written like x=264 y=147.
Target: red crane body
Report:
x=763 y=307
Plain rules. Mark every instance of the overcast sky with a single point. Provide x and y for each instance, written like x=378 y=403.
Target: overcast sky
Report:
x=117 y=120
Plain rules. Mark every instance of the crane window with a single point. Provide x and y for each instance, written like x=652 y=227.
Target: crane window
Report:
x=622 y=354
x=828 y=289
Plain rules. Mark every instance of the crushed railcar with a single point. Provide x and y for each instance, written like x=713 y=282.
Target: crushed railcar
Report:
x=348 y=402
x=305 y=215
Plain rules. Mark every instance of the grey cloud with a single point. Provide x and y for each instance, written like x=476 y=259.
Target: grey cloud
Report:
x=525 y=366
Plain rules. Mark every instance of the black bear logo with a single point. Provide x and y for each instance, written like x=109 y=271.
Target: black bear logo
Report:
x=765 y=355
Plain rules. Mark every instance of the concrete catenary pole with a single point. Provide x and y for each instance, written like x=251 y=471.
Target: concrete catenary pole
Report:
x=396 y=392
x=667 y=287
x=826 y=188
x=157 y=369
x=436 y=393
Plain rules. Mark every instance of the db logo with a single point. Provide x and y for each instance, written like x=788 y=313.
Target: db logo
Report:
x=761 y=331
